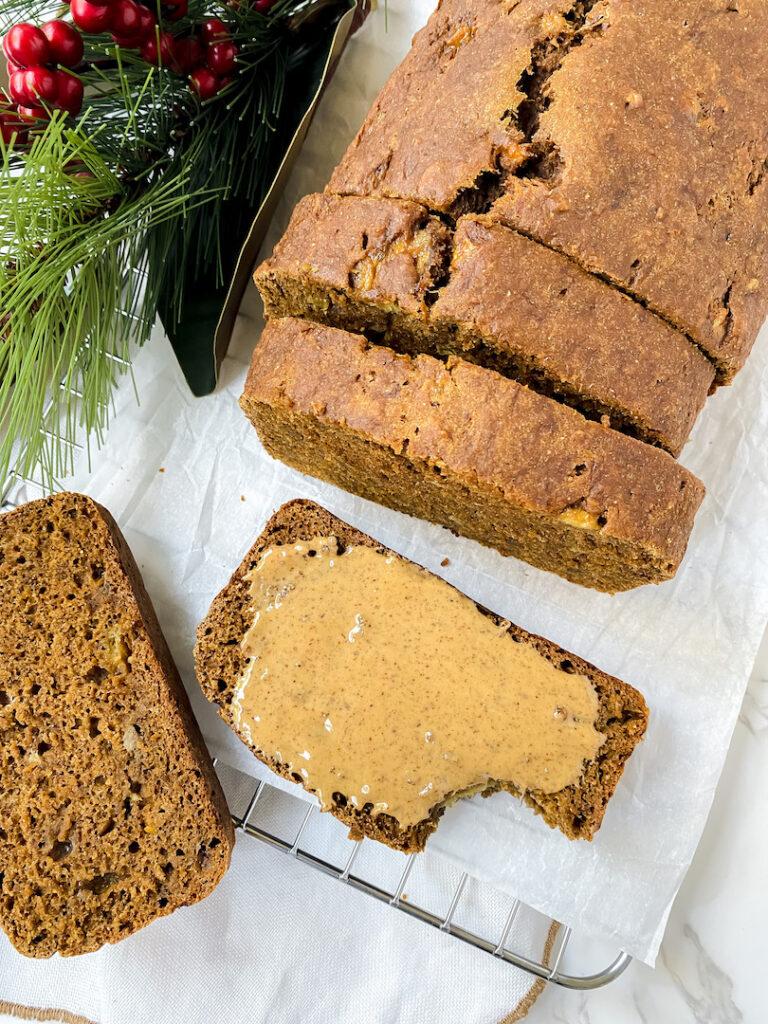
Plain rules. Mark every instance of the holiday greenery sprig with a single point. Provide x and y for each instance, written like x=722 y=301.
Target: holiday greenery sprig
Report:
x=135 y=142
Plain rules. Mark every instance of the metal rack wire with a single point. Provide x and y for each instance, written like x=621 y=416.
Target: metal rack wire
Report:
x=282 y=830
x=286 y=829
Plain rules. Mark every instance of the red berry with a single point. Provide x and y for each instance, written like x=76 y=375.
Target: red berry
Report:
x=13 y=66
x=127 y=42
x=40 y=84
x=147 y=22
x=90 y=18
x=33 y=113
x=126 y=20
x=214 y=30
x=100 y=3
x=159 y=49
x=204 y=83
x=70 y=93
x=65 y=42
x=25 y=44
x=175 y=11
x=225 y=81
x=18 y=88
x=262 y=6
x=220 y=57
x=11 y=125
x=10 y=131
x=189 y=53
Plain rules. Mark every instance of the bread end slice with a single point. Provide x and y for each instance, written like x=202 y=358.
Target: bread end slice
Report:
x=111 y=814
x=577 y=810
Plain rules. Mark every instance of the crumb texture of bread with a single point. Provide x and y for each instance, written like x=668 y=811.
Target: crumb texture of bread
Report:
x=576 y=810
x=464 y=447
x=110 y=811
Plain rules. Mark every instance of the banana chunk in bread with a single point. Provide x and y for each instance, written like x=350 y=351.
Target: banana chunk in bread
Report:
x=110 y=811
x=390 y=695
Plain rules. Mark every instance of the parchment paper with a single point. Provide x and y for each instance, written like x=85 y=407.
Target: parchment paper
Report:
x=191 y=486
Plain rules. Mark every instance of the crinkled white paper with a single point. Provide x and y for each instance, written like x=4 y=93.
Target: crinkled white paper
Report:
x=190 y=484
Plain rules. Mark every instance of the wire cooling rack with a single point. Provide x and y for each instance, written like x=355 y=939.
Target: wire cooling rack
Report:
x=295 y=827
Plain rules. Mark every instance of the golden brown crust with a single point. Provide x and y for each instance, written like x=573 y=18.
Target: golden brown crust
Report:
x=110 y=811
x=601 y=352
x=464 y=447
x=381 y=251
x=578 y=810
x=660 y=182
x=444 y=124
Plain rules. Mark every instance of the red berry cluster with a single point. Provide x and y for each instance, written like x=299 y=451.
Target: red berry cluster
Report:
x=39 y=63
x=212 y=59
x=40 y=59
x=130 y=24
x=208 y=58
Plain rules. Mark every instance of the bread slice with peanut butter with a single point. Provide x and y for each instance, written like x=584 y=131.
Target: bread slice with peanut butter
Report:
x=390 y=695
x=110 y=811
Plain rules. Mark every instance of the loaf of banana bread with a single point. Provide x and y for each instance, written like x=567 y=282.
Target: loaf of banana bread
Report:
x=462 y=446
x=391 y=695
x=111 y=814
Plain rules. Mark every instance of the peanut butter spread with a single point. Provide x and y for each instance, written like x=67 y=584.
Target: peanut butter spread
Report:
x=370 y=678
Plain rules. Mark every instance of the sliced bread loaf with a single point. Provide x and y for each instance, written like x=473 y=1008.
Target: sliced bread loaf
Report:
x=425 y=699
x=463 y=446
x=541 y=113
x=110 y=811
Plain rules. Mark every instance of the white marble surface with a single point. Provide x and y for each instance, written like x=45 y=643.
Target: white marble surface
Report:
x=710 y=970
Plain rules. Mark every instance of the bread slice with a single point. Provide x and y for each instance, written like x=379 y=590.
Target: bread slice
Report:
x=110 y=811
x=357 y=263
x=382 y=267
x=462 y=446
x=220 y=656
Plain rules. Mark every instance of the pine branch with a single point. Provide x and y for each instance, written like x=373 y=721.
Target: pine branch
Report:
x=67 y=290
x=146 y=177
